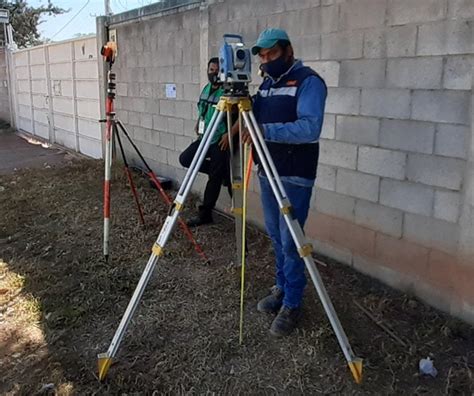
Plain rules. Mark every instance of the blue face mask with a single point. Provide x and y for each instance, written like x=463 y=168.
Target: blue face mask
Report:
x=275 y=68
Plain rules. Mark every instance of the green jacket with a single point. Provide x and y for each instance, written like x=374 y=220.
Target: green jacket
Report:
x=206 y=109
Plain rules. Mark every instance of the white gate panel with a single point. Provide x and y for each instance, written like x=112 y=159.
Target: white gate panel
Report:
x=57 y=93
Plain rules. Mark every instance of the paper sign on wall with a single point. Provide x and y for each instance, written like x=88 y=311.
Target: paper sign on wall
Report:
x=171 y=91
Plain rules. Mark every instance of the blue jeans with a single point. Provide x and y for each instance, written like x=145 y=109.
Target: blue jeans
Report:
x=290 y=268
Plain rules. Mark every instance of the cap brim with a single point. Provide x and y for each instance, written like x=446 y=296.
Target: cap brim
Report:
x=263 y=44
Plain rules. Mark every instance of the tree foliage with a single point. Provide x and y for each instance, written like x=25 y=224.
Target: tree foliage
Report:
x=25 y=20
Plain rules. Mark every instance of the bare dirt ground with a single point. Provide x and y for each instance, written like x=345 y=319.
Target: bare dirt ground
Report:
x=60 y=304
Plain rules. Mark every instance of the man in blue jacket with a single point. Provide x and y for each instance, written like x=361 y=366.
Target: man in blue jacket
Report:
x=289 y=107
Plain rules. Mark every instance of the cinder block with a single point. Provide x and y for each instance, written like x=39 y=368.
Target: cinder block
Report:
x=189 y=126
x=122 y=89
x=409 y=197
x=328 y=70
x=145 y=90
x=184 y=109
x=441 y=106
x=167 y=107
x=405 y=257
x=308 y=47
x=416 y=73
x=390 y=103
x=167 y=140
x=361 y=130
x=165 y=74
x=379 y=218
x=152 y=106
x=343 y=101
x=448 y=37
x=447 y=205
x=329 y=127
x=134 y=118
x=435 y=171
x=431 y=232
x=330 y=19
x=363 y=73
x=334 y=204
x=146 y=120
x=362 y=14
x=357 y=185
x=176 y=126
x=191 y=92
x=339 y=154
x=401 y=41
x=401 y=12
x=374 y=44
x=138 y=105
x=407 y=135
x=339 y=254
x=452 y=141
x=461 y=9
x=326 y=177
x=297 y=23
x=458 y=72
x=183 y=74
x=345 y=45
x=160 y=123
x=382 y=162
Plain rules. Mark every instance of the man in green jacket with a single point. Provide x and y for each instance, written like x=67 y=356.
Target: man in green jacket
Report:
x=216 y=164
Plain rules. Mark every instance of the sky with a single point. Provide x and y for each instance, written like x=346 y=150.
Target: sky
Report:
x=66 y=26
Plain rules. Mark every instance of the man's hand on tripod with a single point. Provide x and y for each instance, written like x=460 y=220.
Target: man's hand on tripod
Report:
x=246 y=138
x=224 y=142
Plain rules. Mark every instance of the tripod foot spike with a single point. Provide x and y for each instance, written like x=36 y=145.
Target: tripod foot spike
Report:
x=106 y=258
x=356 y=370
x=104 y=362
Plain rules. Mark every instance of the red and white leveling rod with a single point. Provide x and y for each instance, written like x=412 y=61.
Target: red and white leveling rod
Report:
x=113 y=127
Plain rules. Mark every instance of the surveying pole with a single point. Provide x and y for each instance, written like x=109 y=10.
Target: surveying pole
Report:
x=114 y=128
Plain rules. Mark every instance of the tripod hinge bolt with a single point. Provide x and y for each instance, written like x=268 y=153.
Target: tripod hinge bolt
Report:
x=245 y=105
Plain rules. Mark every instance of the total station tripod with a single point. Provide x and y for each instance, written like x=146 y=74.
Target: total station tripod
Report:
x=242 y=101
x=113 y=129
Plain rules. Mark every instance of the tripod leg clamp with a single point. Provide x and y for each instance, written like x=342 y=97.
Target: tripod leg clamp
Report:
x=305 y=250
x=157 y=250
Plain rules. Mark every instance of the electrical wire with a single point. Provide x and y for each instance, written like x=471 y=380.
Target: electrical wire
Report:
x=60 y=30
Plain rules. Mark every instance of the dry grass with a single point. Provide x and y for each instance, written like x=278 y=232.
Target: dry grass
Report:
x=184 y=338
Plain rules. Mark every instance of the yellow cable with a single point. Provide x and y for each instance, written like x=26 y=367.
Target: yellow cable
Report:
x=244 y=218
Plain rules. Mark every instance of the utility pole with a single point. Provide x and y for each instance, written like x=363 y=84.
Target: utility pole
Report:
x=9 y=47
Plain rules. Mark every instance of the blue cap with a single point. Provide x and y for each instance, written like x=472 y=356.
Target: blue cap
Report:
x=268 y=39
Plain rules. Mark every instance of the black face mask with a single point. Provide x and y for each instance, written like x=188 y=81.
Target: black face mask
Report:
x=276 y=68
x=213 y=78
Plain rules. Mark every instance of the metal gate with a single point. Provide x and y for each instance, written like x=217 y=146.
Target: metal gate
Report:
x=57 y=94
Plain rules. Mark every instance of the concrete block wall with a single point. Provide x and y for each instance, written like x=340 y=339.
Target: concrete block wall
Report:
x=4 y=98
x=394 y=194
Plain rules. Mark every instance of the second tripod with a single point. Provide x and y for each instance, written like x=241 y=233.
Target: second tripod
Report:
x=114 y=128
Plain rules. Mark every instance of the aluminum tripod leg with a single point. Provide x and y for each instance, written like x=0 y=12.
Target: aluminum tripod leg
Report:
x=304 y=248
x=105 y=359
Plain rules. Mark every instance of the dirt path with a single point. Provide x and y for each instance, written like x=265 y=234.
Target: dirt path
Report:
x=60 y=305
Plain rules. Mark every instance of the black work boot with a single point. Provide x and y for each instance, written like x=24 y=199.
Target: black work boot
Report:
x=272 y=302
x=204 y=216
x=285 y=321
